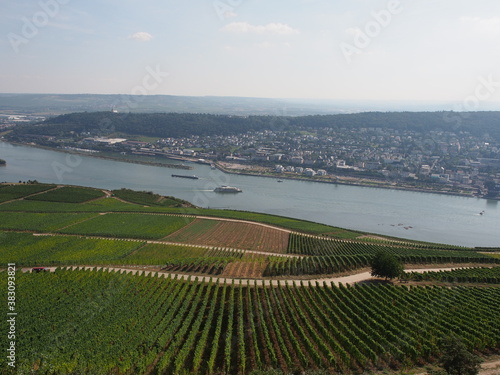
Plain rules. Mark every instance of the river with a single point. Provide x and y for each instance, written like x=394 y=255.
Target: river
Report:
x=420 y=216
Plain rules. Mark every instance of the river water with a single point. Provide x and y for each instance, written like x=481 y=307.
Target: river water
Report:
x=406 y=214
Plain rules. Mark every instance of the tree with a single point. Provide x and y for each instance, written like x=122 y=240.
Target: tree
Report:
x=492 y=188
x=456 y=359
x=386 y=265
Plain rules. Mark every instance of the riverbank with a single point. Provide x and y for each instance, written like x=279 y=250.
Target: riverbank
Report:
x=137 y=159
x=259 y=171
x=337 y=180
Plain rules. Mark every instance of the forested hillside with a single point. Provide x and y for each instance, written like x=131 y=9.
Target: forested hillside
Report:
x=184 y=125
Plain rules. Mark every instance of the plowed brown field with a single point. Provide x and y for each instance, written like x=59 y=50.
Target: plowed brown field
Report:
x=236 y=235
x=250 y=266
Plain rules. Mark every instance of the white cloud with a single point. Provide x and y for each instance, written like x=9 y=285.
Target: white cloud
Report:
x=483 y=25
x=141 y=36
x=270 y=28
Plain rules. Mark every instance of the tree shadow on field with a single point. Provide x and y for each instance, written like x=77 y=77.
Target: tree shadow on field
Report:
x=376 y=282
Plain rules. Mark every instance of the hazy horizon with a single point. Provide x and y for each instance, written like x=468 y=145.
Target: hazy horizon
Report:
x=364 y=50
x=53 y=103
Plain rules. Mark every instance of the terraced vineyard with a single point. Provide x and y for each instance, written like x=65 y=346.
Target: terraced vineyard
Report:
x=328 y=256
x=317 y=246
x=102 y=322
x=99 y=322
x=108 y=217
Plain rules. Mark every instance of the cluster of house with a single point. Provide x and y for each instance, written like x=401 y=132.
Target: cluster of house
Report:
x=309 y=172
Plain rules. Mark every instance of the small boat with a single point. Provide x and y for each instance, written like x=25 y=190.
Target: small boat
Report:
x=213 y=166
x=280 y=180
x=227 y=189
x=183 y=176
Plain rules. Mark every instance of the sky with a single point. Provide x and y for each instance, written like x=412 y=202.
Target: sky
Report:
x=432 y=50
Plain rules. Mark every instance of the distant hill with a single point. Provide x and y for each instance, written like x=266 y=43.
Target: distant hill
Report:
x=184 y=124
x=56 y=104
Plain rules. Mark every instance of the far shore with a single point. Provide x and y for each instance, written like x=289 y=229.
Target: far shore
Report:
x=108 y=157
x=338 y=180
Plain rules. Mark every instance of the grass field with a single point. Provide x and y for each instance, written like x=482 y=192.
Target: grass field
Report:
x=101 y=205
x=9 y=192
x=40 y=221
x=69 y=194
x=130 y=225
x=148 y=198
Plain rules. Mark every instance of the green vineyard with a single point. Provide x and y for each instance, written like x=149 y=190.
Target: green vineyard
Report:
x=322 y=256
x=317 y=246
x=100 y=322
x=463 y=275
x=214 y=307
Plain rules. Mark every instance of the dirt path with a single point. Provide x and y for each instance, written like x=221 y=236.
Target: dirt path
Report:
x=490 y=368
x=351 y=279
x=487 y=368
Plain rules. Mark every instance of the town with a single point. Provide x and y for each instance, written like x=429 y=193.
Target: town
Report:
x=455 y=162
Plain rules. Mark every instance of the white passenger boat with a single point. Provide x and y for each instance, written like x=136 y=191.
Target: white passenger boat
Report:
x=227 y=189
